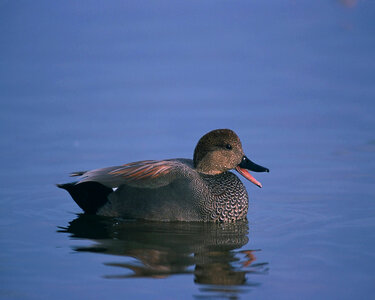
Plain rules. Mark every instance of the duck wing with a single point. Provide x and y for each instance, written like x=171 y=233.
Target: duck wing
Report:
x=143 y=174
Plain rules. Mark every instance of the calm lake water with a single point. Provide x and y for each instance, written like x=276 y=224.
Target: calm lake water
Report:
x=85 y=85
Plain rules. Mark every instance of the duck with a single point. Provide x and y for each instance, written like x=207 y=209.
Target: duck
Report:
x=202 y=189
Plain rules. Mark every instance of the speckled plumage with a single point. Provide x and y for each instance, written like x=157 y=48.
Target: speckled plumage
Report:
x=227 y=200
x=193 y=197
x=173 y=189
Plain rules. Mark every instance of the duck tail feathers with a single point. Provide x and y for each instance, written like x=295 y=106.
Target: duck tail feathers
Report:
x=89 y=195
x=78 y=173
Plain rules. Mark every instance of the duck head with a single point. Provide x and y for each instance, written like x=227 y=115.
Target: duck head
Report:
x=220 y=150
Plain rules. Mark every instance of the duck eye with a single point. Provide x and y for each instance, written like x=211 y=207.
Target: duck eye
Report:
x=228 y=146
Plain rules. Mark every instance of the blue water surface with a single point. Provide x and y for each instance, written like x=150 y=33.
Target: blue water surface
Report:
x=89 y=84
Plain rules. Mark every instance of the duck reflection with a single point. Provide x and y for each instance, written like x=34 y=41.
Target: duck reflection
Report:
x=206 y=250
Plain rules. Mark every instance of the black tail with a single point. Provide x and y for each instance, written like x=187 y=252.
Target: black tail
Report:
x=89 y=196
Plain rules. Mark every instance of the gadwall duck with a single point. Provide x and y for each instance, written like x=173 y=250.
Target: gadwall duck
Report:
x=179 y=189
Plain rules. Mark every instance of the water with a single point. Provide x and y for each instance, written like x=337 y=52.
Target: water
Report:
x=91 y=85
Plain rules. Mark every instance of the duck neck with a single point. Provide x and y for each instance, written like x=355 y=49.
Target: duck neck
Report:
x=207 y=170
x=206 y=166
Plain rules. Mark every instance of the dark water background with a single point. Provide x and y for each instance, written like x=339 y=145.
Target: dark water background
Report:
x=92 y=84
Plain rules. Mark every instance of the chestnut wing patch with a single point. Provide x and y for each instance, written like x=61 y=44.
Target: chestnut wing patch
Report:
x=146 y=169
x=143 y=174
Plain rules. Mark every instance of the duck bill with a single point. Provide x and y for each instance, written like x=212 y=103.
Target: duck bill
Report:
x=245 y=165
